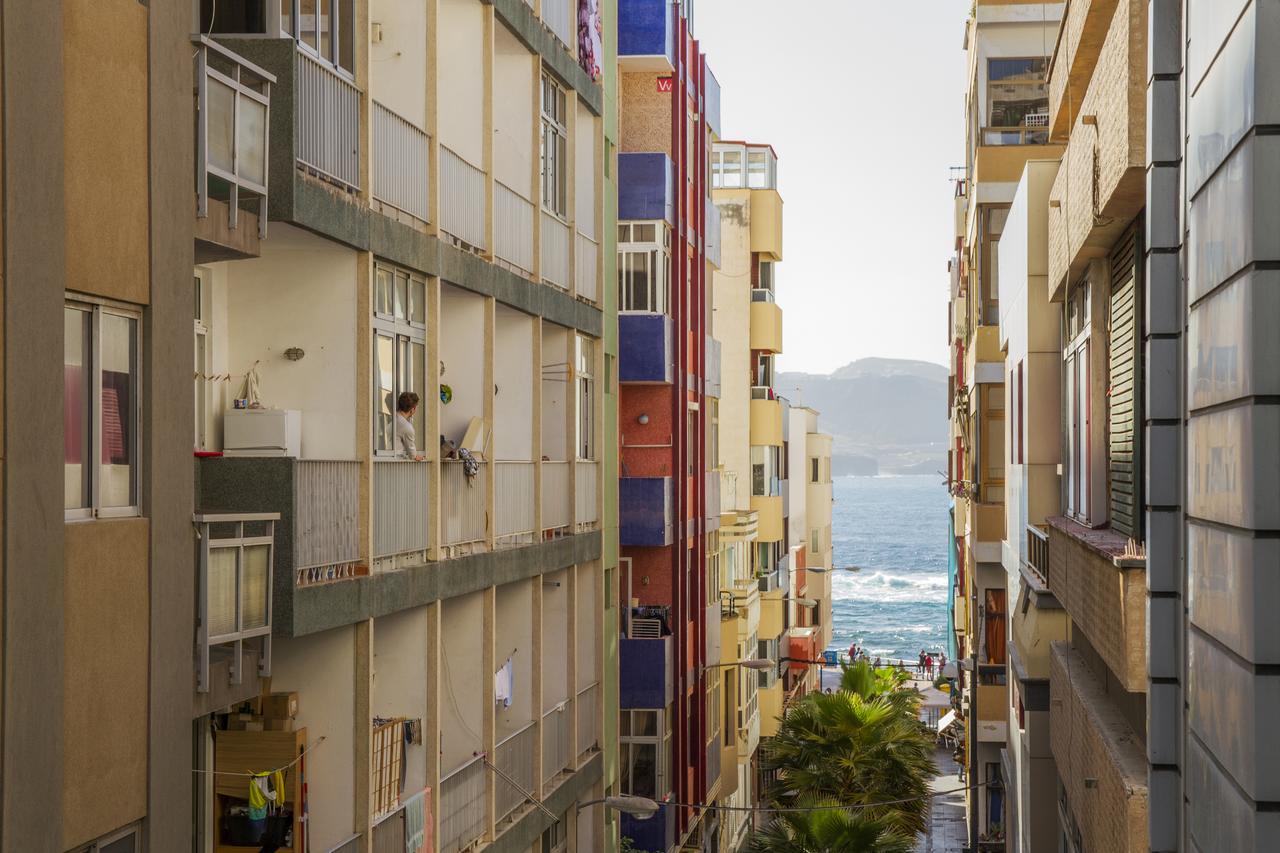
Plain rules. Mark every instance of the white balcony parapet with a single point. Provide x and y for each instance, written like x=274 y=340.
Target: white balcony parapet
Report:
x=512 y=228
x=555 y=251
x=555 y=495
x=400 y=163
x=462 y=203
x=586 y=271
x=514 y=502
x=233 y=117
x=587 y=489
x=464 y=511
x=588 y=718
x=728 y=491
x=326 y=523
x=514 y=756
x=233 y=598
x=555 y=743
x=400 y=512
x=462 y=806
x=558 y=15
x=328 y=121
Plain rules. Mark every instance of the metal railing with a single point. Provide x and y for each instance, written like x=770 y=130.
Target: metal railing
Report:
x=514 y=756
x=559 y=15
x=555 y=495
x=233 y=596
x=461 y=199
x=588 y=718
x=555 y=251
x=327 y=118
x=1015 y=135
x=512 y=227
x=586 y=272
x=389 y=833
x=463 y=504
x=555 y=742
x=462 y=806
x=401 y=176
x=233 y=111
x=761 y=294
x=586 y=490
x=514 y=501
x=400 y=508
x=762 y=392
x=1038 y=553
x=326 y=522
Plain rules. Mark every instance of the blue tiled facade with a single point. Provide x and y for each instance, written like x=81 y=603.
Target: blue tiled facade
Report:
x=645 y=28
x=646 y=186
x=645 y=672
x=711 y=102
x=644 y=349
x=644 y=511
x=653 y=835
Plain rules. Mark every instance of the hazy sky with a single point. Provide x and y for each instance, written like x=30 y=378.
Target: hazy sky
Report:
x=863 y=101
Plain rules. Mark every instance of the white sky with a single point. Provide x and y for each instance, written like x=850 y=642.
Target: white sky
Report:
x=863 y=101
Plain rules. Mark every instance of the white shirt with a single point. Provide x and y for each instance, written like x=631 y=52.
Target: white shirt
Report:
x=406 y=436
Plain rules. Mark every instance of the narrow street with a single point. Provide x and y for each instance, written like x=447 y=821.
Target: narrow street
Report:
x=947 y=832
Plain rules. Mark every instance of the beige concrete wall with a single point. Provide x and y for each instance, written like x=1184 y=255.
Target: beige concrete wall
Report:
x=1079 y=42
x=105 y=129
x=766 y=223
x=398 y=64
x=515 y=112
x=460 y=93
x=104 y=718
x=400 y=682
x=731 y=306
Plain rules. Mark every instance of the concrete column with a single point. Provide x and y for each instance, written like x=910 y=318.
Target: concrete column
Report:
x=490 y=468
x=433 y=123
x=362 y=743
x=488 y=718
x=571 y=666
x=364 y=284
x=571 y=183
x=536 y=165
x=487 y=165
x=361 y=44
x=536 y=687
x=430 y=443
x=535 y=376
x=431 y=723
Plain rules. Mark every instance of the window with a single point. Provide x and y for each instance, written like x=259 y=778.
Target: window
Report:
x=1019 y=413
x=202 y=370
x=1084 y=388
x=586 y=402
x=644 y=747
x=757 y=170
x=991 y=448
x=555 y=158
x=765 y=471
x=993 y=220
x=121 y=841
x=101 y=414
x=726 y=168
x=325 y=28
x=764 y=370
x=1017 y=98
x=399 y=352
x=765 y=276
x=555 y=839
x=815 y=470
x=713 y=705
x=644 y=267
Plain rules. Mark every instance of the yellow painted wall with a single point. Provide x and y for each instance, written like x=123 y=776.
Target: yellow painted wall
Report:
x=772 y=621
x=771 y=700
x=1004 y=163
x=769 y=509
x=766 y=426
x=993 y=702
x=104 y=713
x=766 y=327
x=766 y=223
x=104 y=63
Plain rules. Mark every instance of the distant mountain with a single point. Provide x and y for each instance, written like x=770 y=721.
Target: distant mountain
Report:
x=885 y=415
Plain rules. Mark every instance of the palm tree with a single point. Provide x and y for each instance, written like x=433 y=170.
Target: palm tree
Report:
x=862 y=745
x=834 y=831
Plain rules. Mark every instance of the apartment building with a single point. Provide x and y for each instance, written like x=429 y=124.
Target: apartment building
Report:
x=1006 y=114
x=404 y=419
x=670 y=507
x=819 y=557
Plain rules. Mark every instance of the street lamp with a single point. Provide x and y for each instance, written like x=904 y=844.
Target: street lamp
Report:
x=758 y=664
x=821 y=570
x=806 y=602
x=641 y=808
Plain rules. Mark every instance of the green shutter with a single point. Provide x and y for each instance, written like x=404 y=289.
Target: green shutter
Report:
x=1124 y=456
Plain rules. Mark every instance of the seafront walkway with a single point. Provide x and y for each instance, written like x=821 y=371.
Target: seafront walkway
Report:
x=947 y=833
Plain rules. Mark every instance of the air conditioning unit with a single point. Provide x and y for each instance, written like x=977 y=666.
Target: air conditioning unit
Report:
x=262 y=432
x=646 y=629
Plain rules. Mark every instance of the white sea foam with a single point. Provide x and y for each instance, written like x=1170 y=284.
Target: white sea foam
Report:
x=889 y=587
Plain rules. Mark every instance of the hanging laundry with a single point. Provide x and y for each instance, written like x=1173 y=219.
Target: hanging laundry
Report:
x=503 y=684
x=266 y=793
x=470 y=466
x=415 y=823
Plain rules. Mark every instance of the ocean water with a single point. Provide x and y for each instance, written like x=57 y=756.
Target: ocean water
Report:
x=895 y=529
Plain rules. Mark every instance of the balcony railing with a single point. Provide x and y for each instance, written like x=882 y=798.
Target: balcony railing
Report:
x=587 y=479
x=555 y=743
x=728 y=491
x=587 y=270
x=462 y=806
x=512 y=227
x=234 y=589
x=233 y=106
x=588 y=718
x=464 y=504
x=514 y=502
x=514 y=757
x=388 y=761
x=762 y=392
x=559 y=16
x=327 y=120
x=400 y=169
x=760 y=294
x=1015 y=135
x=555 y=251
x=555 y=495
x=400 y=511
x=1038 y=553
x=326 y=524
x=461 y=199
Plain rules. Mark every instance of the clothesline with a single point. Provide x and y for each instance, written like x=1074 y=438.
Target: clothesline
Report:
x=279 y=769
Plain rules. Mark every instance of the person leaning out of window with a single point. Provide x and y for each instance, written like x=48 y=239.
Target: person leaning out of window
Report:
x=406 y=435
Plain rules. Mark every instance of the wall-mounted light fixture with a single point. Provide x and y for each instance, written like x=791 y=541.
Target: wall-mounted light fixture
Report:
x=294 y=353
x=642 y=420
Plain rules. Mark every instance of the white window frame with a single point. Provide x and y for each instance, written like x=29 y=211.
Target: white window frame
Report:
x=96 y=307
x=585 y=399
x=554 y=148
x=202 y=356
x=275 y=22
x=660 y=740
x=658 y=253
x=111 y=838
x=768 y=458
x=401 y=329
x=1084 y=399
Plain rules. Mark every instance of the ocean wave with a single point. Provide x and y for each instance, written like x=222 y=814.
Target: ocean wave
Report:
x=889 y=587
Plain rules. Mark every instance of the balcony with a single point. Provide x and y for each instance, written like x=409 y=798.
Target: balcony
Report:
x=1003 y=153
x=645 y=508
x=988 y=529
x=586 y=494
x=514 y=756
x=586 y=269
x=766 y=325
x=645 y=349
x=645 y=667
x=556 y=747
x=399 y=512
x=766 y=422
x=714 y=237
x=992 y=703
x=557 y=244
x=773 y=614
x=646 y=36
x=462 y=200
x=512 y=229
x=588 y=711
x=514 y=503
x=561 y=18
x=233 y=101
x=463 y=803
x=1100 y=759
x=1080 y=40
x=464 y=519
x=646 y=186
x=233 y=604
x=713 y=500
x=766 y=223
x=712 y=373
x=401 y=153
x=772 y=700
x=771 y=521
x=556 y=517
x=802 y=646
x=1104 y=594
